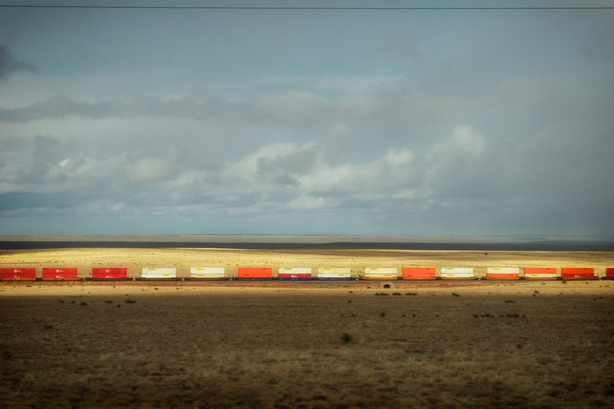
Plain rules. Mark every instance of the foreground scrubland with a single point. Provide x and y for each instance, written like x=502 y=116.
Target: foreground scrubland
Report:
x=518 y=344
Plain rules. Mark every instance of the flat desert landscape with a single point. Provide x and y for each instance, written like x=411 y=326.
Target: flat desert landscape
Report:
x=278 y=345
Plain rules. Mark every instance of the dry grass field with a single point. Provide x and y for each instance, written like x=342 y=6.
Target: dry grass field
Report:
x=236 y=345
x=357 y=260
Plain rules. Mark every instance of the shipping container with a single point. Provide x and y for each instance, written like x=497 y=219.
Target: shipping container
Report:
x=18 y=274
x=334 y=273
x=296 y=273
x=571 y=273
x=457 y=273
x=207 y=273
x=419 y=273
x=255 y=273
x=609 y=273
x=385 y=273
x=65 y=273
x=167 y=273
x=109 y=273
x=540 y=273
x=503 y=273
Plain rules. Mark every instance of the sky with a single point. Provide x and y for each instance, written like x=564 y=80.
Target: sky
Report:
x=416 y=122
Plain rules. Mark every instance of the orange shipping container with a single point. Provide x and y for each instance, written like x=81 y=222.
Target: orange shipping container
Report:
x=540 y=273
x=578 y=273
x=255 y=273
x=419 y=273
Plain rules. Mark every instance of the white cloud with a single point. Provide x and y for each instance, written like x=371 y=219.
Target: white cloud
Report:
x=399 y=156
x=306 y=202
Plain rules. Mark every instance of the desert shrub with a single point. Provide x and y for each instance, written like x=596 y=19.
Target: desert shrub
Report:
x=346 y=338
x=61 y=301
x=381 y=293
x=48 y=326
x=510 y=301
x=383 y=313
x=130 y=301
x=396 y=294
x=455 y=295
x=83 y=303
x=411 y=293
x=108 y=302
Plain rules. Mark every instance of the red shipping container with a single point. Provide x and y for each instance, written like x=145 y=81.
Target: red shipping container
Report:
x=578 y=273
x=109 y=273
x=255 y=273
x=67 y=273
x=18 y=274
x=609 y=273
x=419 y=273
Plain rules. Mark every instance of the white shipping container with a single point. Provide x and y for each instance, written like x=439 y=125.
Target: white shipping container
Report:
x=503 y=270
x=294 y=270
x=386 y=273
x=207 y=272
x=159 y=272
x=334 y=273
x=457 y=272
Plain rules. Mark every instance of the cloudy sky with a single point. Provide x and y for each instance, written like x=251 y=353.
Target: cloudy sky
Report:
x=276 y=121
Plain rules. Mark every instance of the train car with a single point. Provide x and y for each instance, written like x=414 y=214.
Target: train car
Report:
x=159 y=273
x=419 y=273
x=457 y=273
x=540 y=273
x=207 y=273
x=578 y=273
x=60 y=274
x=109 y=273
x=503 y=273
x=292 y=274
x=386 y=273
x=18 y=274
x=255 y=273
x=609 y=274
x=334 y=274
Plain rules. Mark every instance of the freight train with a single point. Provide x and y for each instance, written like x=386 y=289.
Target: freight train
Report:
x=306 y=273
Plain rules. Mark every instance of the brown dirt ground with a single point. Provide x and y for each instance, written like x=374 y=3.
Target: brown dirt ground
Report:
x=232 y=345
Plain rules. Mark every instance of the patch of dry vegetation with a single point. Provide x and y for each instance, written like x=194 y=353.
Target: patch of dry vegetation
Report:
x=291 y=348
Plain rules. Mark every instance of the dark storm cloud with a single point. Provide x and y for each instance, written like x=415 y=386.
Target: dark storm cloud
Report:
x=404 y=45
x=10 y=64
x=599 y=44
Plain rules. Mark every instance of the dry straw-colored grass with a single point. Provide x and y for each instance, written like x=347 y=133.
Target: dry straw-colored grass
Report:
x=230 y=347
